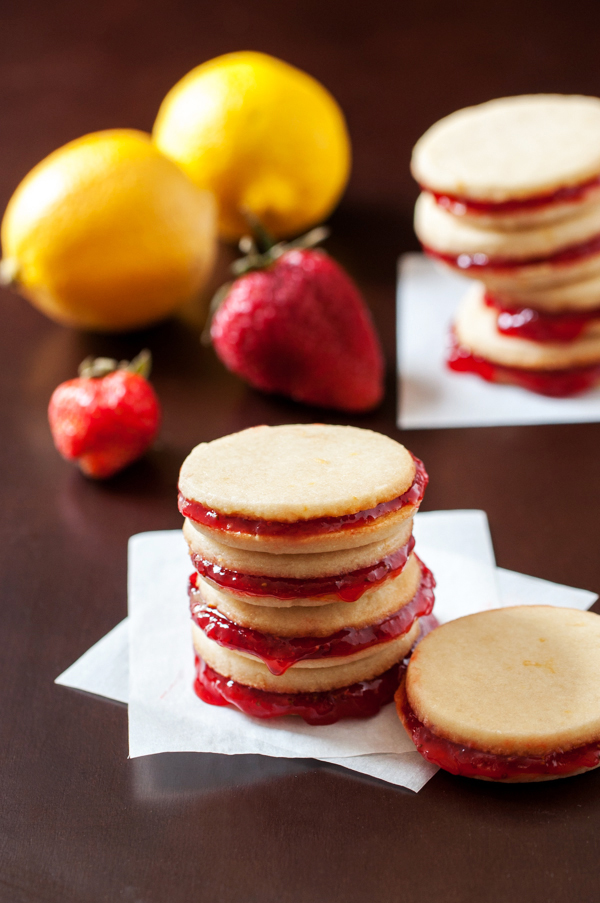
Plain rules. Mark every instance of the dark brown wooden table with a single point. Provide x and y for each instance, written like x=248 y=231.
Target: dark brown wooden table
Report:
x=78 y=821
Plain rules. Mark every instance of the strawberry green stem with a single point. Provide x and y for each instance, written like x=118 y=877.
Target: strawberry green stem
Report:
x=262 y=239
x=255 y=260
x=96 y=368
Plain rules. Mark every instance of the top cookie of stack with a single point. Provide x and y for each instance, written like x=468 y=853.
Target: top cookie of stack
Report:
x=511 y=197
x=306 y=583
x=313 y=488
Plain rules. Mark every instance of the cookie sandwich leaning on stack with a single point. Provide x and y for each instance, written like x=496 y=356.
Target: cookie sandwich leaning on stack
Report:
x=306 y=594
x=511 y=198
x=507 y=695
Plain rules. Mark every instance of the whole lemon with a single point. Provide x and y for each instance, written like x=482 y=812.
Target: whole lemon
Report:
x=262 y=136
x=106 y=233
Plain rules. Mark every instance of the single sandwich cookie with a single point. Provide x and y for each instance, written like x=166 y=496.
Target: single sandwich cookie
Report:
x=264 y=579
x=346 y=645
x=476 y=326
x=514 y=161
x=307 y=676
x=312 y=620
x=557 y=369
x=560 y=252
x=300 y=488
x=522 y=321
x=283 y=637
x=362 y=699
x=508 y=695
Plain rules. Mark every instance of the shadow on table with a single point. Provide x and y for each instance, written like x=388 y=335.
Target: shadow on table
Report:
x=175 y=775
x=166 y=775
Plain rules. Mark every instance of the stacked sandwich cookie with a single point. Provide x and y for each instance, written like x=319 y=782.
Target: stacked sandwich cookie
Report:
x=306 y=594
x=507 y=695
x=511 y=198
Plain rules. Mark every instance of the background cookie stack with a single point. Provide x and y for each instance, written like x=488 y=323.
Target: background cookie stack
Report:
x=307 y=593
x=511 y=197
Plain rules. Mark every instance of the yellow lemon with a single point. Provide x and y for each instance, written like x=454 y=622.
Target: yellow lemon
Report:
x=262 y=136
x=106 y=233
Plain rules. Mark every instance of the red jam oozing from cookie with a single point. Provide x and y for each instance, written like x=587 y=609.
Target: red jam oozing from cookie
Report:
x=459 y=206
x=481 y=261
x=360 y=700
x=554 y=383
x=539 y=326
x=473 y=763
x=346 y=587
x=280 y=653
x=232 y=523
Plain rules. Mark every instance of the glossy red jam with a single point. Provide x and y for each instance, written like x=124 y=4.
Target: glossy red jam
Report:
x=347 y=587
x=483 y=261
x=537 y=325
x=360 y=700
x=473 y=763
x=280 y=653
x=231 y=523
x=554 y=383
x=461 y=205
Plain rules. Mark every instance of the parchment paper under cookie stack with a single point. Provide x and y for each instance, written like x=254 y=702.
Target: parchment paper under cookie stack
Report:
x=307 y=594
x=511 y=198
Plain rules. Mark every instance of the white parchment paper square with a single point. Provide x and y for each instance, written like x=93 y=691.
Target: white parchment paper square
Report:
x=103 y=669
x=430 y=395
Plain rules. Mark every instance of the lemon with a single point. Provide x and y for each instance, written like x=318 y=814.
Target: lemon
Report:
x=108 y=234
x=262 y=136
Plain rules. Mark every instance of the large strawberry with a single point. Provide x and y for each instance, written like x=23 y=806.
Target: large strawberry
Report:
x=107 y=417
x=295 y=324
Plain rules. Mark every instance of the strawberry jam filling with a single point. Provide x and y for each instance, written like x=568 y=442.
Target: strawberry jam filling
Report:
x=232 y=523
x=360 y=700
x=474 y=763
x=347 y=587
x=539 y=326
x=460 y=205
x=554 y=383
x=280 y=653
x=479 y=261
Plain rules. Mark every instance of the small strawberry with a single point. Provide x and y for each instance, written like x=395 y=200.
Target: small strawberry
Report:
x=295 y=324
x=107 y=417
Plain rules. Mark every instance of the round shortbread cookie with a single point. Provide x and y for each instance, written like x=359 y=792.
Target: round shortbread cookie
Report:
x=315 y=564
x=297 y=472
x=475 y=327
x=448 y=234
x=317 y=620
x=251 y=672
x=516 y=681
x=569 y=297
x=511 y=148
